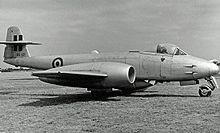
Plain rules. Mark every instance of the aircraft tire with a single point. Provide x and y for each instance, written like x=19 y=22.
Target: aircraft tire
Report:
x=204 y=91
x=99 y=94
x=127 y=92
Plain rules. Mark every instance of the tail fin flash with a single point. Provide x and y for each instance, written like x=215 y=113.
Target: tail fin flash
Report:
x=14 y=34
x=15 y=44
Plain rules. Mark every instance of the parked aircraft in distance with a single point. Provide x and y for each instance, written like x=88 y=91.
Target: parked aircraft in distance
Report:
x=100 y=72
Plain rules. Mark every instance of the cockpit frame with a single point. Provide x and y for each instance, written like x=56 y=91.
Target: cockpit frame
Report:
x=169 y=49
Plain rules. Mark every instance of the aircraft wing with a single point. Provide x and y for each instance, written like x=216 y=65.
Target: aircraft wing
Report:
x=70 y=74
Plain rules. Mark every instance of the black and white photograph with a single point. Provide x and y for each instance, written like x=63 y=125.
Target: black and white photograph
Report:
x=109 y=66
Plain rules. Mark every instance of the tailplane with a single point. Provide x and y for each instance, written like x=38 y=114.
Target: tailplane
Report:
x=15 y=44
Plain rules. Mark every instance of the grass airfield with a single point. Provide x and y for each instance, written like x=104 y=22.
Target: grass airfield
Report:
x=29 y=105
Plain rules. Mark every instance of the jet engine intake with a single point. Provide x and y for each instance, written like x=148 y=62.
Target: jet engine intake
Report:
x=119 y=75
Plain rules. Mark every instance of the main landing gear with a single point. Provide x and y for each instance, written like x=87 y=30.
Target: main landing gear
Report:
x=100 y=93
x=206 y=90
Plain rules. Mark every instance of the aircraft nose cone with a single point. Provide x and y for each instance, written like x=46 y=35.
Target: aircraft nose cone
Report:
x=213 y=69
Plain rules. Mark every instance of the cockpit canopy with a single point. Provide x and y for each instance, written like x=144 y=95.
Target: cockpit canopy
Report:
x=170 y=49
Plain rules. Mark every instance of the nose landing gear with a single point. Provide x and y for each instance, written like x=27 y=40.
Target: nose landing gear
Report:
x=206 y=90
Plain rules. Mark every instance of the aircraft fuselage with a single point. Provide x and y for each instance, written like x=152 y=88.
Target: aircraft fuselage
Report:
x=148 y=65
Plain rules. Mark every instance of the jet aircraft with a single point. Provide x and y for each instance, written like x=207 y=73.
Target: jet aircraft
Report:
x=101 y=72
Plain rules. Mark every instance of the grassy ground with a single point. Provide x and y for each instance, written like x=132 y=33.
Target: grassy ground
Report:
x=28 y=105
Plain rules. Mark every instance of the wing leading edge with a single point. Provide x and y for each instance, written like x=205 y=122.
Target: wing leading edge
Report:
x=70 y=74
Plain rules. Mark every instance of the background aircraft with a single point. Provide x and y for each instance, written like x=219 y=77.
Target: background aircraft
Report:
x=100 y=72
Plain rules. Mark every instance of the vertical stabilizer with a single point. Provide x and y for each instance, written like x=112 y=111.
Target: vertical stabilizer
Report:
x=15 y=44
x=16 y=49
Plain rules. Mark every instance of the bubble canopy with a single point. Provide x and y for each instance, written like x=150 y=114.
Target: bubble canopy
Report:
x=169 y=49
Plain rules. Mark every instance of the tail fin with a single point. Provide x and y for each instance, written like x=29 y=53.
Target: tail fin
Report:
x=15 y=44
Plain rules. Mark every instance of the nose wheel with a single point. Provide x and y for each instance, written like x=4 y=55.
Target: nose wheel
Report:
x=206 y=90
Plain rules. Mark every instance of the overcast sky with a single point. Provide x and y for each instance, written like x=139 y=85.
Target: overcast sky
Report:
x=80 y=26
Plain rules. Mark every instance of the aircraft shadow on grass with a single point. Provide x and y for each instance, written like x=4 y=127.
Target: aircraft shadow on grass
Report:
x=161 y=95
x=58 y=99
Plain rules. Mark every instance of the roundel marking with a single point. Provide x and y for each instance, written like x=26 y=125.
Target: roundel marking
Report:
x=57 y=62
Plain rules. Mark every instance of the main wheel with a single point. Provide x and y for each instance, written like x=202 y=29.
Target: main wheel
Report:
x=205 y=91
x=127 y=92
x=99 y=94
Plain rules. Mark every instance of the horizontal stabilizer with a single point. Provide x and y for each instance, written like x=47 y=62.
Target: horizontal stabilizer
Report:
x=19 y=42
x=70 y=74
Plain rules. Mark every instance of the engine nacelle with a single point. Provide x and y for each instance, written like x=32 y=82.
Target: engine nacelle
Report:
x=119 y=75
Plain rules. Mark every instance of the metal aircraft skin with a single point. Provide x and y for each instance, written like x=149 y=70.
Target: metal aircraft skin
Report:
x=100 y=72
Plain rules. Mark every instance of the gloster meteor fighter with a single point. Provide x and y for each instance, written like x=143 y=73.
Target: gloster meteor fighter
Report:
x=101 y=72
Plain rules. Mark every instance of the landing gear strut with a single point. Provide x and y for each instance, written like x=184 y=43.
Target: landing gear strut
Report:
x=206 y=90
